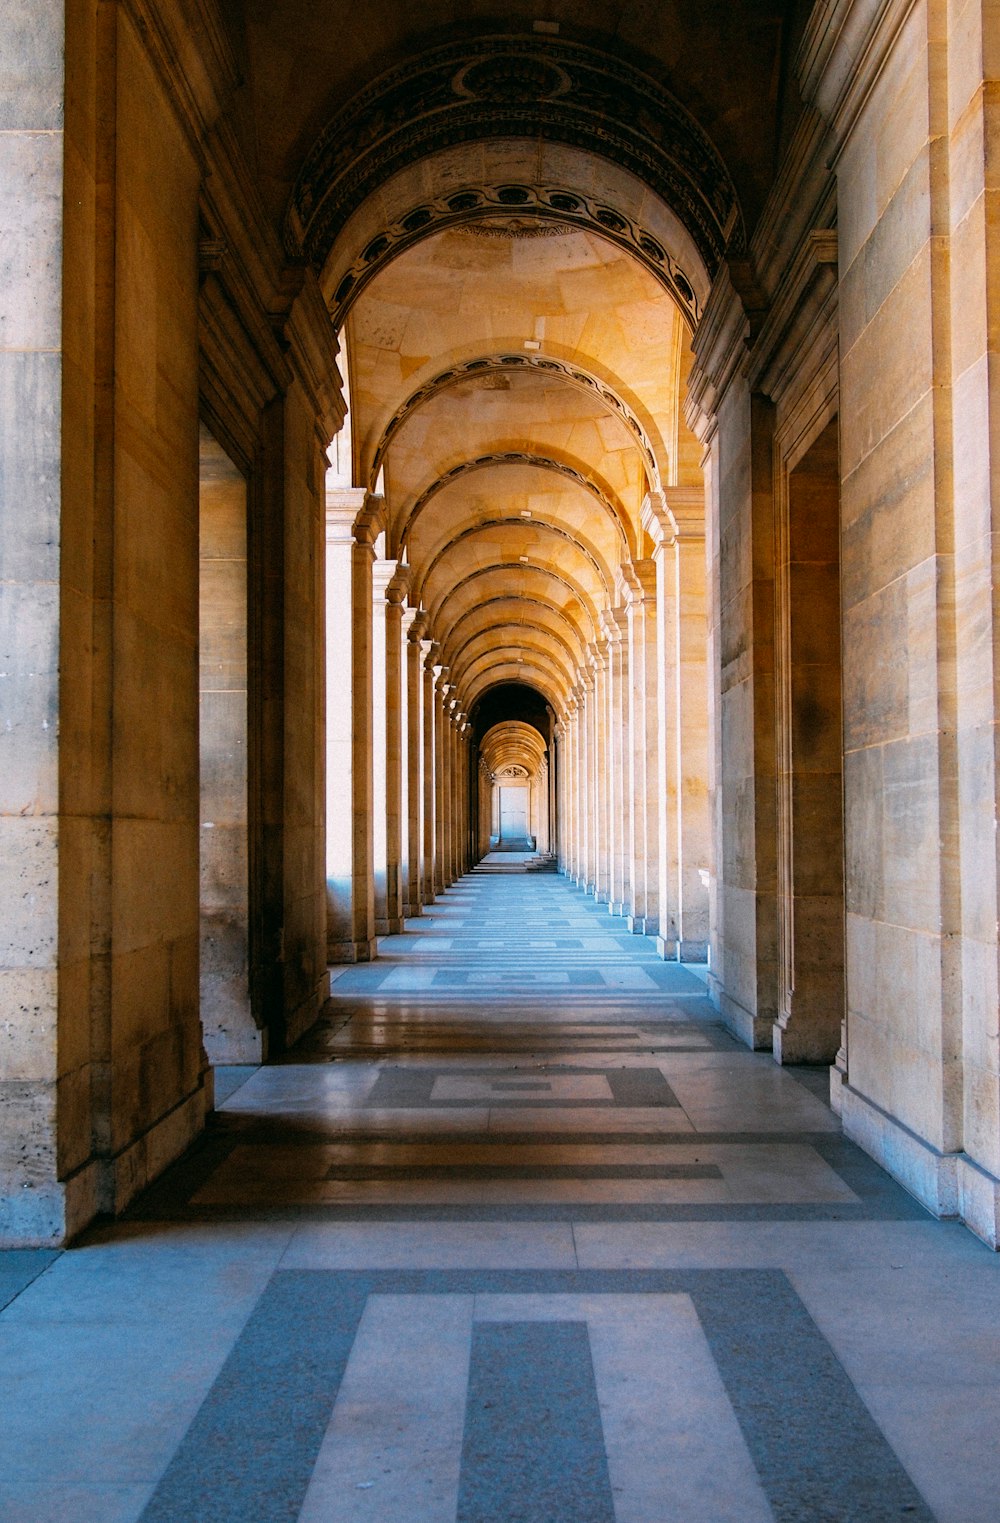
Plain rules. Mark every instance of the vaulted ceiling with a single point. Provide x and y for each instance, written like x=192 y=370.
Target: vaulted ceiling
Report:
x=516 y=219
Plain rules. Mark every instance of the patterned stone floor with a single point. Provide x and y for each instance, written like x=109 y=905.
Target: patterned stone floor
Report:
x=518 y=1234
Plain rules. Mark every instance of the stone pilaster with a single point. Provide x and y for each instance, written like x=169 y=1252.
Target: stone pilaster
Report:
x=599 y=666
x=441 y=690
x=640 y=585
x=353 y=520
x=620 y=776
x=429 y=651
x=414 y=624
x=383 y=572
x=395 y=759
x=675 y=521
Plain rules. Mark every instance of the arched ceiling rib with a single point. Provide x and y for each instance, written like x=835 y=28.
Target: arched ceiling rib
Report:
x=511 y=87
x=532 y=615
x=576 y=593
x=514 y=632
x=513 y=488
x=530 y=662
x=512 y=744
x=572 y=548
x=512 y=673
x=492 y=370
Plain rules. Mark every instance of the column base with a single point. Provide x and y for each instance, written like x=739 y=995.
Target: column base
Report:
x=352 y=951
x=616 y=907
x=755 y=1031
x=672 y=950
x=797 y=1044
x=948 y=1184
x=51 y=1215
x=643 y=925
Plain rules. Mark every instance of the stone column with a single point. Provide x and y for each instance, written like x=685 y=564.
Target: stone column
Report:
x=575 y=803
x=485 y=803
x=675 y=520
x=441 y=689
x=599 y=654
x=583 y=781
x=457 y=820
x=395 y=736
x=621 y=774
x=641 y=592
x=576 y=789
x=543 y=840
x=566 y=789
x=36 y=1206
x=557 y=793
x=429 y=653
x=383 y=572
x=350 y=537
x=414 y=623
x=466 y=760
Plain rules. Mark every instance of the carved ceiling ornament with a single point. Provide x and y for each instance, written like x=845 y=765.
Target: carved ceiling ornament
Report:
x=490 y=368
x=511 y=87
x=474 y=208
x=515 y=227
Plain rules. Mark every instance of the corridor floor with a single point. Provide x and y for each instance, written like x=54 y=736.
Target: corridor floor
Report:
x=518 y=1234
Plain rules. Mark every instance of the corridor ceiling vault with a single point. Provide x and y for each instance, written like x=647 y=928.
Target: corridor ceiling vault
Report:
x=516 y=385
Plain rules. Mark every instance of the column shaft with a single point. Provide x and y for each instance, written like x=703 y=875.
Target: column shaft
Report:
x=643 y=725
x=415 y=766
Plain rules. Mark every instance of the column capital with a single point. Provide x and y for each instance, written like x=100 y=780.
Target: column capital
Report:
x=637 y=583
x=417 y=625
x=598 y=652
x=675 y=513
x=353 y=515
x=399 y=586
x=686 y=506
x=617 y=625
x=382 y=574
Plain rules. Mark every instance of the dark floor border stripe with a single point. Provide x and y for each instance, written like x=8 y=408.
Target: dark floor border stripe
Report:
x=556 y=1212
x=251 y=1449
